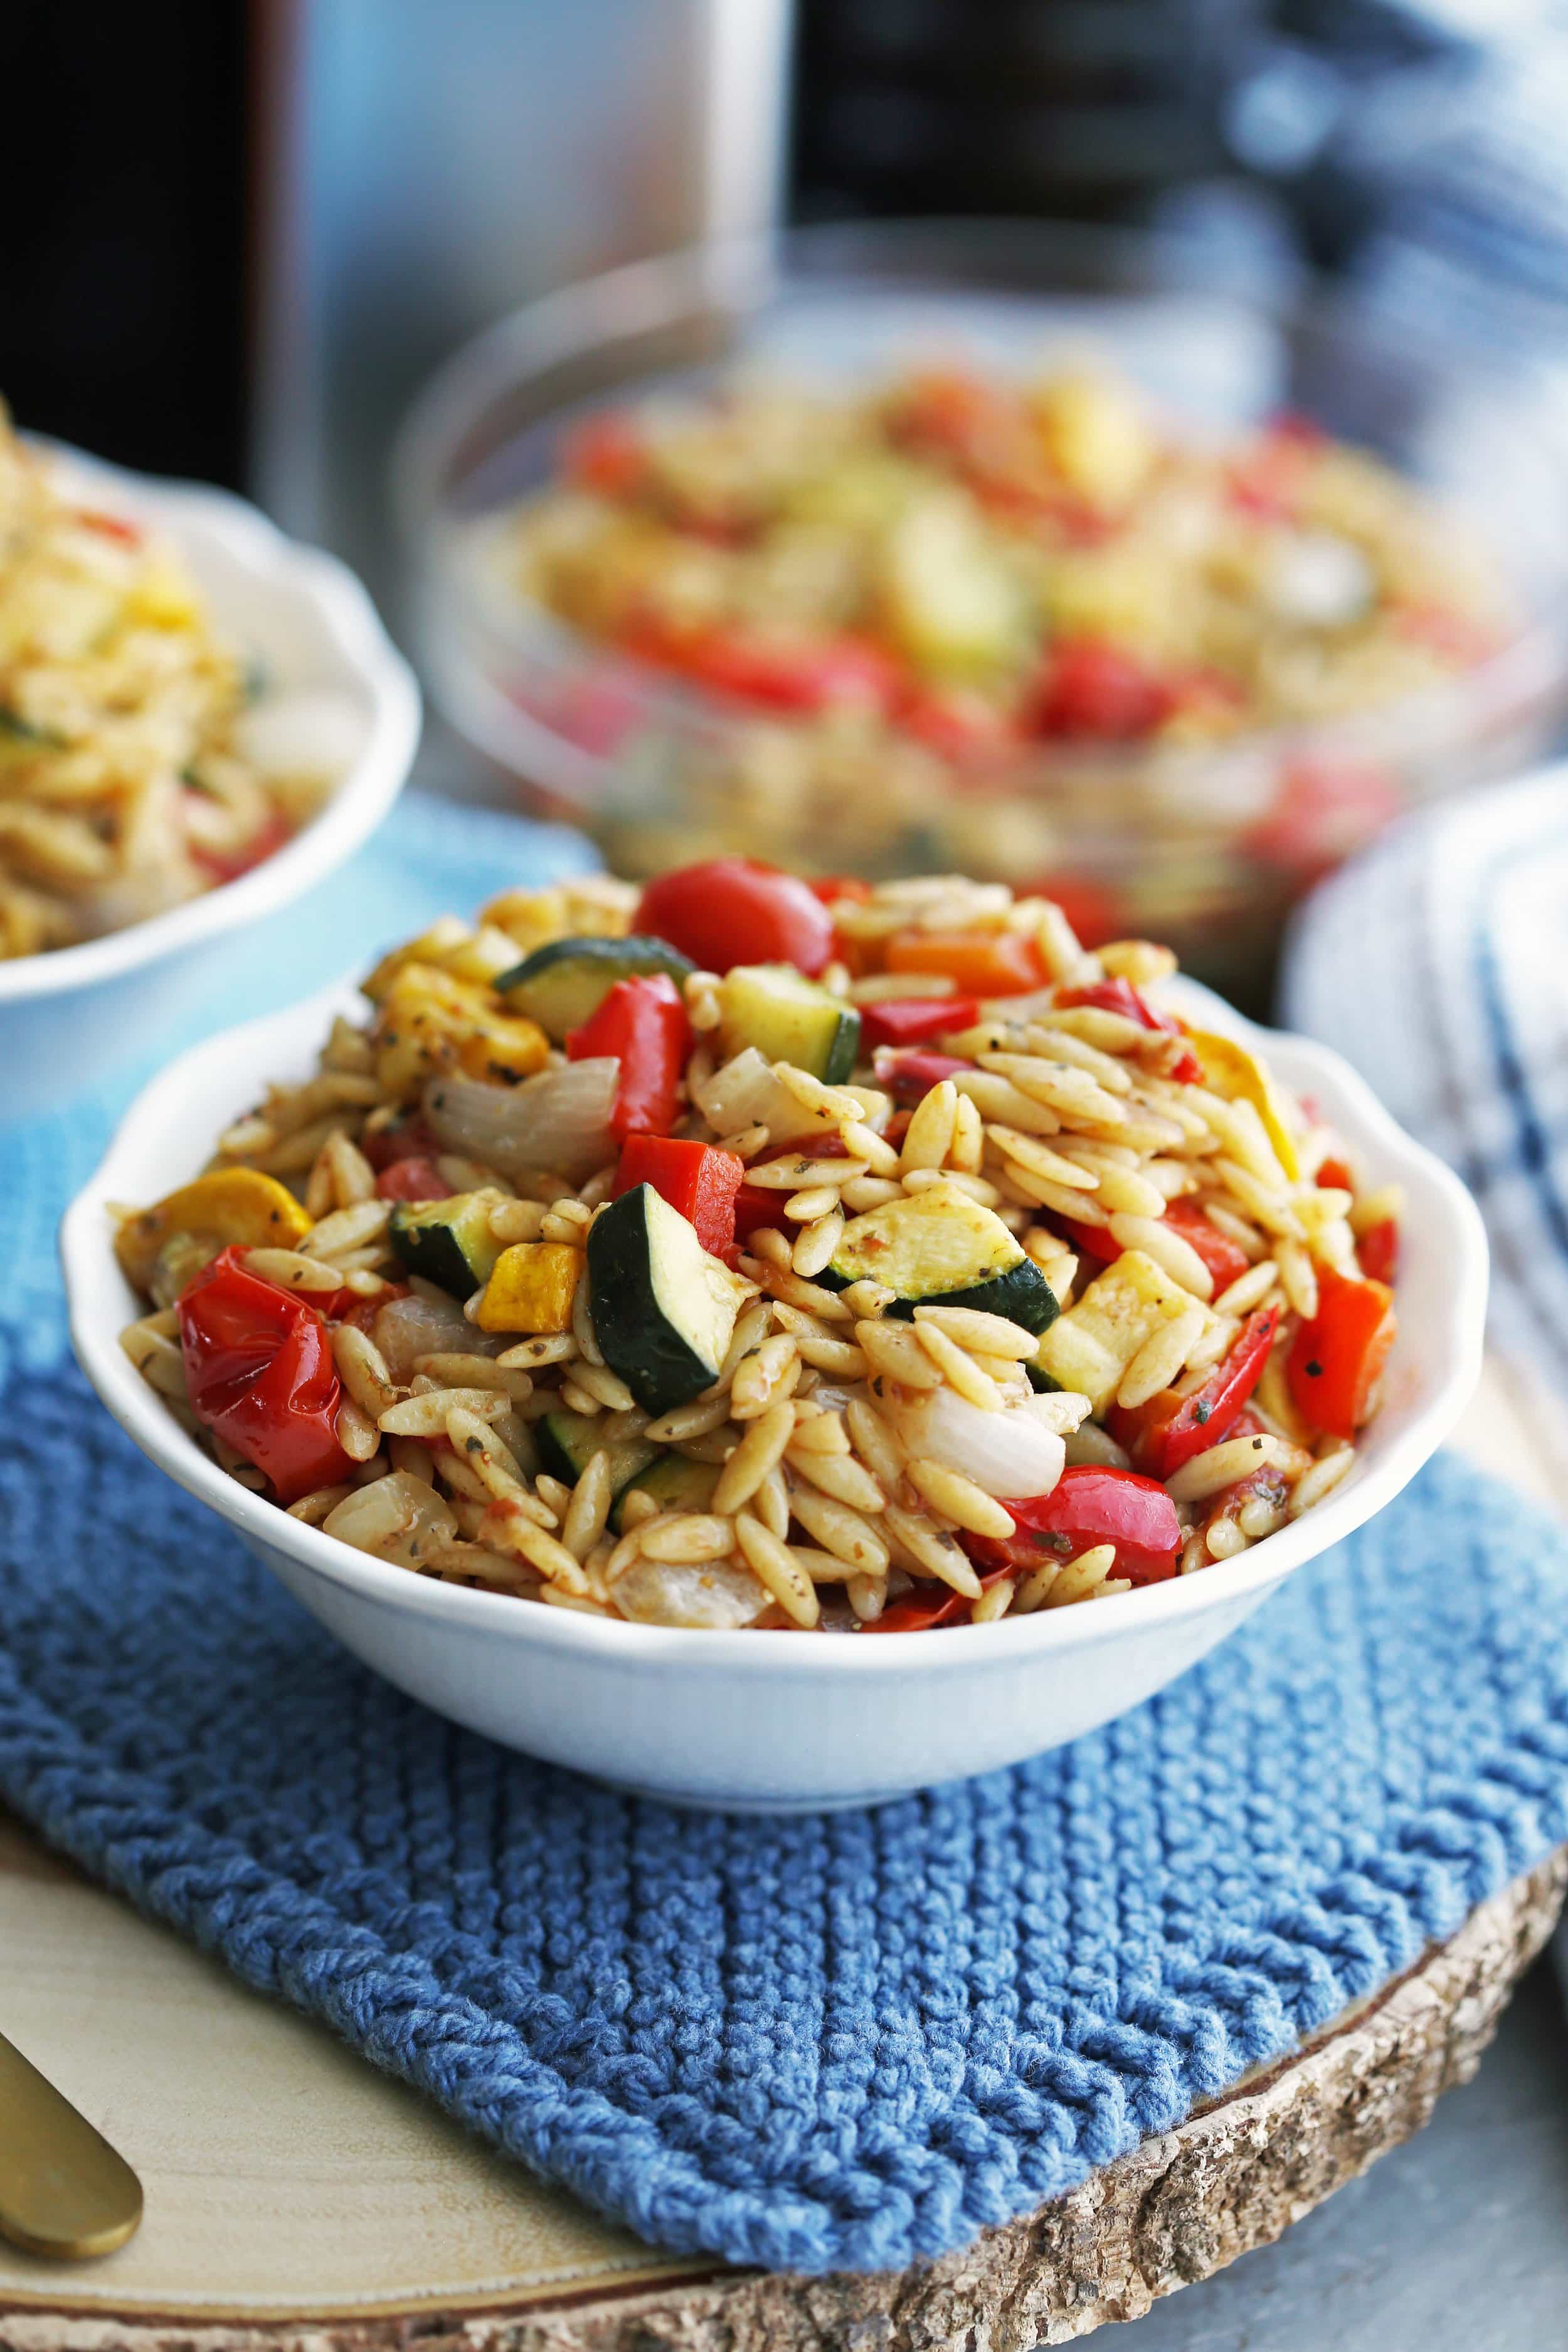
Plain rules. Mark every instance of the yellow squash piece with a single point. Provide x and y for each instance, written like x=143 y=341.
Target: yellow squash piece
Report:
x=428 y=1021
x=449 y=946
x=1231 y=1071
x=232 y=1206
x=532 y=1287
x=1089 y=1348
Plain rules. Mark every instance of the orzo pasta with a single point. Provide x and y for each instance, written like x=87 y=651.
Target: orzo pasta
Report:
x=978 y=561
x=127 y=781
x=759 y=1255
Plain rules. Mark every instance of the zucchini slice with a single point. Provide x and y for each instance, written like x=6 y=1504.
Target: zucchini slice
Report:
x=663 y=1309
x=941 y=1248
x=563 y=984
x=568 y=1442
x=447 y=1242
x=675 y=1484
x=788 y=1018
x=1090 y=1347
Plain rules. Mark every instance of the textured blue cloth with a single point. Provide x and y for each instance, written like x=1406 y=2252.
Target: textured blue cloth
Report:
x=830 y=2042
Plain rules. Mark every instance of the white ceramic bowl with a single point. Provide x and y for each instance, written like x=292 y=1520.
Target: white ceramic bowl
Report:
x=67 y=1018
x=762 y=1721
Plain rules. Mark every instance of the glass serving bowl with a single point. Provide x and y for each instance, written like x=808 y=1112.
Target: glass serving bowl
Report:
x=1206 y=846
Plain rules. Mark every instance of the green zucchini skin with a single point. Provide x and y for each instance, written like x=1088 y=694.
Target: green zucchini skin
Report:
x=789 y=1018
x=663 y=1309
x=447 y=1242
x=675 y=1484
x=568 y=1442
x=564 y=983
x=939 y=1248
x=1021 y=1296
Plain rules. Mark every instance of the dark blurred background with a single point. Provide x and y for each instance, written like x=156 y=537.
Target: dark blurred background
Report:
x=251 y=231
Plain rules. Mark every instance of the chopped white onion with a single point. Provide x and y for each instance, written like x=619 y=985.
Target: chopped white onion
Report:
x=1014 y=1452
x=318 y=731
x=746 y=1093
x=1063 y=1409
x=559 y=1119
x=720 y=1594
x=1319 y=581
x=428 y=1323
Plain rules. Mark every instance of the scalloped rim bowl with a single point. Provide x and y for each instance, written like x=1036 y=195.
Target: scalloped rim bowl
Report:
x=65 y=1015
x=765 y=1722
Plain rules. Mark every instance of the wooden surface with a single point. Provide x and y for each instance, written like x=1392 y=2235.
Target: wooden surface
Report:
x=295 y=2197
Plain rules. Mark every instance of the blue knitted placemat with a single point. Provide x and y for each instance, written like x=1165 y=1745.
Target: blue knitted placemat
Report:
x=835 y=2041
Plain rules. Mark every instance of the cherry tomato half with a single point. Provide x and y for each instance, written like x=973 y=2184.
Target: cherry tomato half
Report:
x=731 y=911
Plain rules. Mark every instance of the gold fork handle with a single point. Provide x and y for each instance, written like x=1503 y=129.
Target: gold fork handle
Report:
x=64 y=2192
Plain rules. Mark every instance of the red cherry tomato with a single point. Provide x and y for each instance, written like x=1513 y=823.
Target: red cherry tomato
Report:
x=814 y=675
x=1091 y=1506
x=259 y=1371
x=1094 y=692
x=731 y=911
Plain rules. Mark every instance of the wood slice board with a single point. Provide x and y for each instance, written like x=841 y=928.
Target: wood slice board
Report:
x=297 y=2202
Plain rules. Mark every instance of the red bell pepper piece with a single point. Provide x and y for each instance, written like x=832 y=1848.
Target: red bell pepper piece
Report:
x=1337 y=1359
x=1334 y=1175
x=259 y=1367
x=731 y=911
x=756 y=1205
x=911 y=1020
x=1378 y=1251
x=927 y=1605
x=110 y=526
x=1090 y=1241
x=1170 y=1429
x=605 y=454
x=763 y=1204
x=413 y=1179
x=1226 y=1261
x=230 y=865
x=695 y=1178
x=1091 y=1506
x=643 y=1022
x=908 y=1076
x=1120 y=996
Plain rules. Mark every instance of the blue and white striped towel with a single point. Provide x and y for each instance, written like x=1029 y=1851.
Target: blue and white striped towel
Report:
x=1437 y=963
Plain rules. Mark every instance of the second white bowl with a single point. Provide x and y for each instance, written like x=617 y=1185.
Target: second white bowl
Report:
x=763 y=1722
x=69 y=1017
